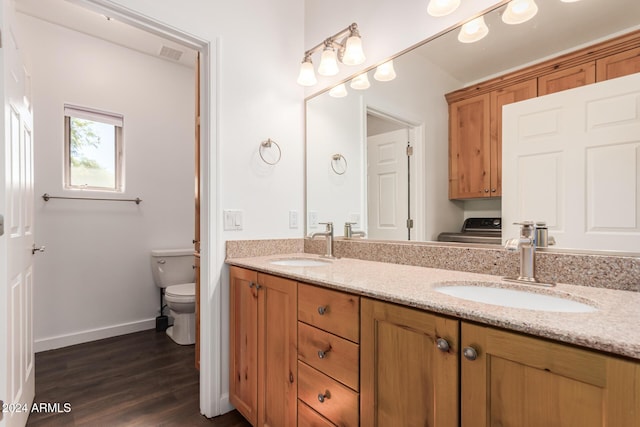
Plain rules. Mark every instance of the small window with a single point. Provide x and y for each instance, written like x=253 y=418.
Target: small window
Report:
x=93 y=149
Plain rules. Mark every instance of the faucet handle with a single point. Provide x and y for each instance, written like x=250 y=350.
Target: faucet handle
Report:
x=329 y=225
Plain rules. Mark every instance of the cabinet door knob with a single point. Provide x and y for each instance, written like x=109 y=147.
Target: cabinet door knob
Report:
x=322 y=310
x=443 y=345
x=251 y=285
x=322 y=397
x=323 y=353
x=486 y=190
x=493 y=190
x=470 y=353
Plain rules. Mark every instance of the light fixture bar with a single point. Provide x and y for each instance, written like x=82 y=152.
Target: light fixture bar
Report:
x=350 y=29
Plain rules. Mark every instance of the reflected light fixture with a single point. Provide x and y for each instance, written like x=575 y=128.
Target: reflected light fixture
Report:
x=519 y=11
x=344 y=46
x=442 y=7
x=473 y=30
x=385 y=72
x=360 y=82
x=339 y=91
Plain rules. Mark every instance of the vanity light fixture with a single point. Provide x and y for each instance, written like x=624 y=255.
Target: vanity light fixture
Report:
x=473 y=30
x=360 y=82
x=442 y=7
x=344 y=46
x=385 y=72
x=519 y=11
x=339 y=91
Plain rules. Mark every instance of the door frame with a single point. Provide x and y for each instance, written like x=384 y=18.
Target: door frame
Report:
x=418 y=166
x=211 y=399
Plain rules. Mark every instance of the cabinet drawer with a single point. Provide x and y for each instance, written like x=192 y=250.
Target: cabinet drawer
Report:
x=330 y=354
x=333 y=311
x=336 y=402
x=307 y=417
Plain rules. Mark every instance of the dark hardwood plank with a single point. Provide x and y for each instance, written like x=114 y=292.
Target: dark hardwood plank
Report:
x=140 y=379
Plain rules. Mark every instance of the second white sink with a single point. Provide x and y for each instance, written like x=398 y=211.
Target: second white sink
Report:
x=300 y=262
x=514 y=298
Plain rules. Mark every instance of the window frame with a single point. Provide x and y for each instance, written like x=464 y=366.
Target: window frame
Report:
x=84 y=113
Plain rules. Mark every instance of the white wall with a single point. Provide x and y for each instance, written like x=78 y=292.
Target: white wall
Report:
x=94 y=279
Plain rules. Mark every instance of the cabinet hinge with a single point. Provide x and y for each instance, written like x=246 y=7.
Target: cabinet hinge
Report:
x=409 y=151
x=409 y=223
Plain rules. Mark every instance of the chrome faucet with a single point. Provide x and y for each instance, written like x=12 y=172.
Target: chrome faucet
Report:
x=328 y=234
x=349 y=233
x=532 y=235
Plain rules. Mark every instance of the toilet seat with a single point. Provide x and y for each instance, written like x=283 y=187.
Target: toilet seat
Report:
x=184 y=293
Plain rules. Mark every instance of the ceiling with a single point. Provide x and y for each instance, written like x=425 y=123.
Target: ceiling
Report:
x=83 y=20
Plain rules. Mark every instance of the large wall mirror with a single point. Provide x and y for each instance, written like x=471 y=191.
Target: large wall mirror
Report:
x=378 y=158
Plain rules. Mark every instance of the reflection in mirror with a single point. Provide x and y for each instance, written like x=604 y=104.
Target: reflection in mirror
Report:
x=392 y=195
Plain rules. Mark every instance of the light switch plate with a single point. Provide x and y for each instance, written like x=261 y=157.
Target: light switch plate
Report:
x=313 y=219
x=293 y=219
x=232 y=220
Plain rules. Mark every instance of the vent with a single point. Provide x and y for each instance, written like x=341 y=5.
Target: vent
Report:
x=171 y=53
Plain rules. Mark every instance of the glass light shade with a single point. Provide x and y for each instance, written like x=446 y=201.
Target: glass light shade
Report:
x=353 y=53
x=307 y=76
x=328 y=62
x=385 y=72
x=519 y=11
x=360 y=82
x=339 y=91
x=442 y=7
x=473 y=31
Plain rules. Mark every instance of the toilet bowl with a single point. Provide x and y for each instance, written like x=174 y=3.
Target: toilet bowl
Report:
x=181 y=300
x=173 y=271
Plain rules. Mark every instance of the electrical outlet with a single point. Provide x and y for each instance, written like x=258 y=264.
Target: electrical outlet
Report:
x=313 y=219
x=354 y=217
x=293 y=219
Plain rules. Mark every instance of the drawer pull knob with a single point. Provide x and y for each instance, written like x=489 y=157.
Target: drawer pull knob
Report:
x=322 y=397
x=322 y=310
x=323 y=353
x=443 y=345
x=470 y=353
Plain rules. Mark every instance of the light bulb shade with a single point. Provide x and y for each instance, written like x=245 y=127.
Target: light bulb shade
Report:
x=473 y=30
x=442 y=7
x=519 y=11
x=339 y=91
x=353 y=53
x=385 y=72
x=307 y=76
x=328 y=62
x=360 y=82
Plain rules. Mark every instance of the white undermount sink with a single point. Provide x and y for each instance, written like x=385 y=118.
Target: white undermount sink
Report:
x=301 y=262
x=514 y=298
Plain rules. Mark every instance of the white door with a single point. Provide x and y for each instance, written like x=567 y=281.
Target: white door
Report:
x=17 y=377
x=388 y=185
x=572 y=159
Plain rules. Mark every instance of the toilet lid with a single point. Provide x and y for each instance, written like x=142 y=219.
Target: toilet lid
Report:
x=184 y=290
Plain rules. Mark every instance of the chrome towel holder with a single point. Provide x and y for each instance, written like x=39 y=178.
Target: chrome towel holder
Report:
x=340 y=162
x=264 y=145
x=46 y=198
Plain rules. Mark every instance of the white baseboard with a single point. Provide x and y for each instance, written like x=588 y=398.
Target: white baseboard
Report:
x=59 y=341
x=225 y=405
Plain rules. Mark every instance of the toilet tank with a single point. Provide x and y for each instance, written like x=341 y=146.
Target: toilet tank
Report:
x=172 y=266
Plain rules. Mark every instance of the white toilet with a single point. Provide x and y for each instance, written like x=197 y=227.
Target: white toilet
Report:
x=173 y=270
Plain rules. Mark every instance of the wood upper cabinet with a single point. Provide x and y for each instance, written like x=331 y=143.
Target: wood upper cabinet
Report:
x=406 y=380
x=263 y=374
x=469 y=148
x=499 y=98
x=567 y=78
x=518 y=380
x=618 y=65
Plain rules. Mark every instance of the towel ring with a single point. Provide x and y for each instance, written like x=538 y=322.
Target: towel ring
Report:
x=336 y=160
x=268 y=144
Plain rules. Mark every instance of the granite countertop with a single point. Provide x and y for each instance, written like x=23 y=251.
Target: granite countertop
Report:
x=613 y=328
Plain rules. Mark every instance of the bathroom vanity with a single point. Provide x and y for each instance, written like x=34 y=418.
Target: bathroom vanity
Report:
x=352 y=342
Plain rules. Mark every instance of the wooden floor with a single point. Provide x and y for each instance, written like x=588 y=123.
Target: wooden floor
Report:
x=140 y=379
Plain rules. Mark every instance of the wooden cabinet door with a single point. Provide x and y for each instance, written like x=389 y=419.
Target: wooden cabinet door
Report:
x=621 y=64
x=277 y=351
x=469 y=148
x=522 y=381
x=577 y=76
x=405 y=379
x=243 y=342
x=508 y=95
